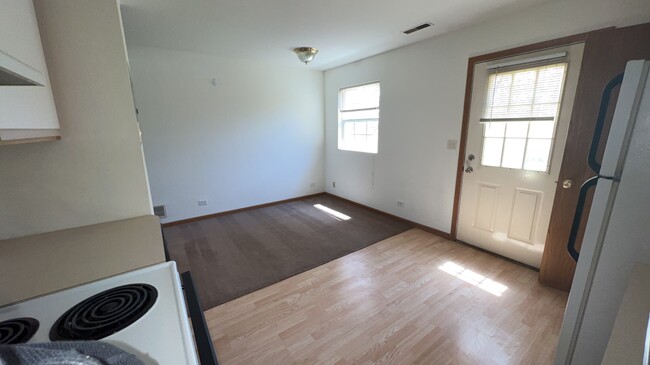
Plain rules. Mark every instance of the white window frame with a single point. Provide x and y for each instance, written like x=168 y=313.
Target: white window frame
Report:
x=342 y=145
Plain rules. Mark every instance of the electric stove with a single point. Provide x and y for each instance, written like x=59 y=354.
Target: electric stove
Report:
x=142 y=312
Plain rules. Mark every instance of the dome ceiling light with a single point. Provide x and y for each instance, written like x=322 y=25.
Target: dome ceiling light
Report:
x=305 y=54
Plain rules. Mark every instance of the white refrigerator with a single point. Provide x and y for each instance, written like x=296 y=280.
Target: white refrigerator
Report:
x=618 y=228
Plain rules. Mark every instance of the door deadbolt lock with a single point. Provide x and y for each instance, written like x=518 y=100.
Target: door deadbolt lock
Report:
x=568 y=183
x=469 y=168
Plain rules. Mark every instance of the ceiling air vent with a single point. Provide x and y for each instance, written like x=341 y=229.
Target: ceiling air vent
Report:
x=160 y=210
x=416 y=28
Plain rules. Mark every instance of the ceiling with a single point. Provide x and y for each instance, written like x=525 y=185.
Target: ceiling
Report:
x=343 y=30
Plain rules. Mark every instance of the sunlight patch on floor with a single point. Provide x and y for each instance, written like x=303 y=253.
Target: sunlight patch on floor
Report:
x=474 y=278
x=334 y=213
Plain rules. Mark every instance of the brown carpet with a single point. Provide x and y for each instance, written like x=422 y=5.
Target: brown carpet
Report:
x=235 y=254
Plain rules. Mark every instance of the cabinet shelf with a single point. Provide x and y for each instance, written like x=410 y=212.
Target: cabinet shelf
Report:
x=22 y=136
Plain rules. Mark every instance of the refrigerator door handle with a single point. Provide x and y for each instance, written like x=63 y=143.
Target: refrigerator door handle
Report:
x=593 y=164
x=577 y=217
x=600 y=122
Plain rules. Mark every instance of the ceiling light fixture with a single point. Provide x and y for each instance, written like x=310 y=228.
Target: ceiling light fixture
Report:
x=305 y=54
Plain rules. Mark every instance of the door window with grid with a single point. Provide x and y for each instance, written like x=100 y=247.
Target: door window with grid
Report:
x=359 y=118
x=519 y=117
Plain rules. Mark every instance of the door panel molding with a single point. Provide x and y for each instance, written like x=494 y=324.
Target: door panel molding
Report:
x=525 y=214
x=486 y=203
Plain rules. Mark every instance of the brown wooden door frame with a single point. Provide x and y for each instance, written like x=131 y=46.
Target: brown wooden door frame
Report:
x=605 y=56
x=535 y=47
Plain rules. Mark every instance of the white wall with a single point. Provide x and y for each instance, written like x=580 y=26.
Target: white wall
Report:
x=96 y=173
x=256 y=137
x=422 y=94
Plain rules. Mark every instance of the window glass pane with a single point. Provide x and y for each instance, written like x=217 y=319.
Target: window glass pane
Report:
x=492 y=152
x=357 y=129
x=517 y=129
x=541 y=129
x=372 y=143
x=359 y=135
x=360 y=97
x=373 y=127
x=348 y=130
x=537 y=154
x=494 y=129
x=513 y=153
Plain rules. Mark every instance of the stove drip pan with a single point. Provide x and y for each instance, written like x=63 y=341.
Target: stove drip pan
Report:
x=104 y=313
x=18 y=330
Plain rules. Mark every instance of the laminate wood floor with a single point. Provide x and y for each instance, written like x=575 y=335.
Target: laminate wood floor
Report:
x=414 y=298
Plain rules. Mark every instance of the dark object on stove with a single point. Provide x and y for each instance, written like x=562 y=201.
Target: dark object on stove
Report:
x=76 y=352
x=105 y=313
x=17 y=330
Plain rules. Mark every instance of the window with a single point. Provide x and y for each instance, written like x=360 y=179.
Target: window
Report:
x=520 y=115
x=359 y=118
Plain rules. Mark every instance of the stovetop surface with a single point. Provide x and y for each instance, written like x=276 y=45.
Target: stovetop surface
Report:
x=159 y=335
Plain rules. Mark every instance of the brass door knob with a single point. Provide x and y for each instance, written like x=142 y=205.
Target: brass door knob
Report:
x=568 y=183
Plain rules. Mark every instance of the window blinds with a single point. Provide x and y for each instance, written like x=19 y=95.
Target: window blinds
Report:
x=529 y=94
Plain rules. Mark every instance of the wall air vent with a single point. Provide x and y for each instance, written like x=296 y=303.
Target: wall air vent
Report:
x=160 y=210
x=416 y=28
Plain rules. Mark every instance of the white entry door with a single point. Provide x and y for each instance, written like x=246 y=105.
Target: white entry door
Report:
x=518 y=123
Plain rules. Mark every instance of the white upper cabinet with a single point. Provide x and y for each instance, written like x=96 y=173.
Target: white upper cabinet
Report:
x=19 y=37
x=27 y=110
